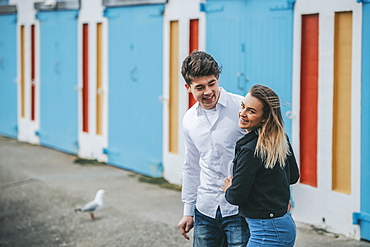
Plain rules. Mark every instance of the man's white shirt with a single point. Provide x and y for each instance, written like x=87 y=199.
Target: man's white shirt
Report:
x=210 y=140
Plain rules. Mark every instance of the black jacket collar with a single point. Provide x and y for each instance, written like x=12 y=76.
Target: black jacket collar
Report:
x=247 y=138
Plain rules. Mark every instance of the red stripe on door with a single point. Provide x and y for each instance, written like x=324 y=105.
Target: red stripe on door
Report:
x=193 y=46
x=309 y=99
x=85 y=78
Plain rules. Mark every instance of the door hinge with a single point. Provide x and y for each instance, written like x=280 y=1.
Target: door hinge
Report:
x=357 y=217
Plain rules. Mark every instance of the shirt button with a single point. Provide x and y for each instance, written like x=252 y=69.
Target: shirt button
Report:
x=271 y=215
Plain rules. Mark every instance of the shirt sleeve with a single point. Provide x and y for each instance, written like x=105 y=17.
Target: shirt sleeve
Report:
x=191 y=176
x=294 y=171
x=245 y=169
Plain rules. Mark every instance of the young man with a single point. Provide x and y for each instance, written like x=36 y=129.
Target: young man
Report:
x=210 y=131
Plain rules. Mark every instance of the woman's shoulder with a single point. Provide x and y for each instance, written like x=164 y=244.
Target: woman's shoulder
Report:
x=248 y=141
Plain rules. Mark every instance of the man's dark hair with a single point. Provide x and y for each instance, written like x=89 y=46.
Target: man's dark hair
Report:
x=198 y=64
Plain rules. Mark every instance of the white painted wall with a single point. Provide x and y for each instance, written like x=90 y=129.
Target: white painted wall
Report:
x=26 y=16
x=312 y=205
x=183 y=12
x=90 y=144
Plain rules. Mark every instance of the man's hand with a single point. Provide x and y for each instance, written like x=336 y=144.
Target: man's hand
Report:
x=185 y=225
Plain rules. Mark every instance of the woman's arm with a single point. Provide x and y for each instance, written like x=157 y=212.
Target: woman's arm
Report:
x=245 y=169
x=294 y=171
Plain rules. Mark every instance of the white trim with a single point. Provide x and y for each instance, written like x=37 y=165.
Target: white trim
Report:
x=183 y=12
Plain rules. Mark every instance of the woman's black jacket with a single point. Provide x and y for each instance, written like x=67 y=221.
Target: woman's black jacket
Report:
x=260 y=192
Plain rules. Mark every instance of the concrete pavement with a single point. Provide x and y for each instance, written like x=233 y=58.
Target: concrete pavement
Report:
x=41 y=187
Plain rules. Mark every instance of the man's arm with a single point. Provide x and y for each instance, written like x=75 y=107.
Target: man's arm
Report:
x=190 y=184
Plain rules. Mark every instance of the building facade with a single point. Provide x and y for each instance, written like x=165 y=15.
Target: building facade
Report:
x=101 y=79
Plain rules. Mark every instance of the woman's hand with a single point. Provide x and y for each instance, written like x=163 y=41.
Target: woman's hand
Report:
x=227 y=183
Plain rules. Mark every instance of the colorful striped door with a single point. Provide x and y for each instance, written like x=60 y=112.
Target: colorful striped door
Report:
x=58 y=80
x=8 y=74
x=253 y=42
x=135 y=88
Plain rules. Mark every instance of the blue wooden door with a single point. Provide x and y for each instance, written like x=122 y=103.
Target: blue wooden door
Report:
x=256 y=39
x=363 y=218
x=135 y=87
x=58 y=80
x=225 y=42
x=8 y=74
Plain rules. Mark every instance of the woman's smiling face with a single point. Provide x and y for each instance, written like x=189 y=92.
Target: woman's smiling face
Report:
x=250 y=113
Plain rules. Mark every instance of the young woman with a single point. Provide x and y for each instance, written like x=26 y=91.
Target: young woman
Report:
x=264 y=167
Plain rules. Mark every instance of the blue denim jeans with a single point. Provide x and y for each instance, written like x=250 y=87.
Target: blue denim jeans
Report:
x=220 y=232
x=279 y=231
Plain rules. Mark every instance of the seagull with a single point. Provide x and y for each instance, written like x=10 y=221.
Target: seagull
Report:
x=94 y=205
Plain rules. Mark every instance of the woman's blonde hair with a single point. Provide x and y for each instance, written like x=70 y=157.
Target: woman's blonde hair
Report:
x=272 y=145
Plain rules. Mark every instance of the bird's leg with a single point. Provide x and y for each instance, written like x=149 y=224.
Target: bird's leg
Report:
x=92 y=216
